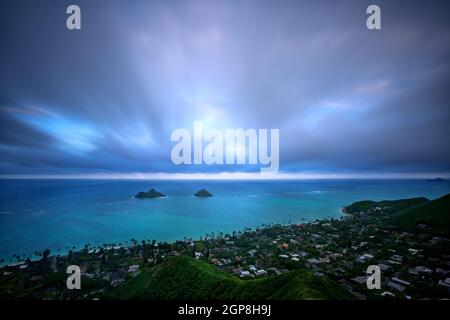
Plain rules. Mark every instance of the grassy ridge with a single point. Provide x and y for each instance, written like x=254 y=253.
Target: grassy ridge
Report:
x=408 y=213
x=391 y=206
x=435 y=214
x=183 y=277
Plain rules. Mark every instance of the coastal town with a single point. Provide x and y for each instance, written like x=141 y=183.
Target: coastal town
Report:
x=414 y=264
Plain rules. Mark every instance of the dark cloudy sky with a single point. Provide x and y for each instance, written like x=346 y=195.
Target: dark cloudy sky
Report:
x=106 y=98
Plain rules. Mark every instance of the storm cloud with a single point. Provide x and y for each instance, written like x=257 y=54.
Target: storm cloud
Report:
x=107 y=97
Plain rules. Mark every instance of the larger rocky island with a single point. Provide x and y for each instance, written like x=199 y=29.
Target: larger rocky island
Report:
x=152 y=193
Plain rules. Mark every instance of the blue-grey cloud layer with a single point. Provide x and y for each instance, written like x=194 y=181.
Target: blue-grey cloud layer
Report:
x=106 y=98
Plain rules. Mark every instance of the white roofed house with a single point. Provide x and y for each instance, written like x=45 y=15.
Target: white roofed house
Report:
x=413 y=251
x=445 y=283
x=360 y=280
x=313 y=261
x=273 y=270
x=364 y=258
x=117 y=282
x=261 y=272
x=387 y=294
x=400 y=281
x=398 y=284
x=383 y=267
x=133 y=269
x=245 y=274
x=420 y=270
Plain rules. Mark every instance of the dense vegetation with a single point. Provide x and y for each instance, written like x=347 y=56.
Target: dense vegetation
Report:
x=319 y=260
x=435 y=214
x=391 y=206
x=183 y=277
x=408 y=213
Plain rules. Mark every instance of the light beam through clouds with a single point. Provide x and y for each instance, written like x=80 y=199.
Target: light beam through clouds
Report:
x=105 y=100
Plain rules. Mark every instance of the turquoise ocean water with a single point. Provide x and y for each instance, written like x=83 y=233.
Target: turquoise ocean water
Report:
x=56 y=214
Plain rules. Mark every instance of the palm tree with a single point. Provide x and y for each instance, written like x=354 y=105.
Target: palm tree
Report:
x=45 y=254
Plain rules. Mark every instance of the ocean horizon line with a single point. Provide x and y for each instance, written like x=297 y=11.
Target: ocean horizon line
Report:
x=230 y=176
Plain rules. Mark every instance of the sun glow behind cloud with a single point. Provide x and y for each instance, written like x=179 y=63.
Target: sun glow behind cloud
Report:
x=107 y=100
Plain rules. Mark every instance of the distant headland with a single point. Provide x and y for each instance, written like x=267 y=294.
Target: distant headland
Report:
x=437 y=180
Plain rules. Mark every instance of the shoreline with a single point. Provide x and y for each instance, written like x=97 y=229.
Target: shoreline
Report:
x=414 y=259
x=302 y=203
x=64 y=253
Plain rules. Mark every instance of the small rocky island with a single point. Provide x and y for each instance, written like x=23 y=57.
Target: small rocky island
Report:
x=152 y=193
x=437 y=180
x=203 y=193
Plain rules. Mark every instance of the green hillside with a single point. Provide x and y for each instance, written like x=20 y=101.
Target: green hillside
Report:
x=391 y=206
x=435 y=213
x=183 y=277
x=408 y=213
